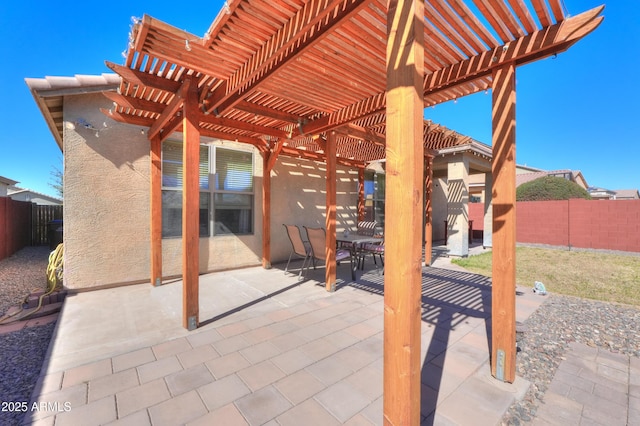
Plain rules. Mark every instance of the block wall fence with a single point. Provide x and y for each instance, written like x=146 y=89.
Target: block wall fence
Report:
x=588 y=224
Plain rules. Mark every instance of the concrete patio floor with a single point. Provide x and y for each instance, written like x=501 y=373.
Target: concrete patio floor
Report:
x=269 y=350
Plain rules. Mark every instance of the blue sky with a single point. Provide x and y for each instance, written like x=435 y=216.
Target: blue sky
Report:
x=578 y=111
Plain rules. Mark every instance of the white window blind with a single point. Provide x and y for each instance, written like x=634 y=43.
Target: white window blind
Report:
x=172 y=167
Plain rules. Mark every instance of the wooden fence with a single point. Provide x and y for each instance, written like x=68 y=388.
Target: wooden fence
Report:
x=15 y=226
x=23 y=223
x=40 y=218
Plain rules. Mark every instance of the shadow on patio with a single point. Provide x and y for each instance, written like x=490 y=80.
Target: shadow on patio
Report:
x=269 y=347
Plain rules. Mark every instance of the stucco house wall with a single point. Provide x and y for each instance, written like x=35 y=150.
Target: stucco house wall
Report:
x=106 y=210
x=298 y=197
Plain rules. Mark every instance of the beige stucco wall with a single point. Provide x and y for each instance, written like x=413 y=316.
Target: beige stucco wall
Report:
x=106 y=232
x=298 y=197
x=106 y=209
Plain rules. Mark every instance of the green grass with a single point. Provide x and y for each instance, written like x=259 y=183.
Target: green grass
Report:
x=591 y=275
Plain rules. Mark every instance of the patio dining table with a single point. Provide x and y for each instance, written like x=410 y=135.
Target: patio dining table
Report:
x=354 y=242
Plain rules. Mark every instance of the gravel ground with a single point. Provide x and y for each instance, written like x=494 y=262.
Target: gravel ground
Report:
x=558 y=322
x=21 y=356
x=22 y=273
x=21 y=352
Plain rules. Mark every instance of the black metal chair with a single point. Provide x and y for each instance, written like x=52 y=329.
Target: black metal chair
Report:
x=374 y=249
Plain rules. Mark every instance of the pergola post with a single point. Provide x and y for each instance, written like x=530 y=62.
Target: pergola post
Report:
x=403 y=212
x=428 y=209
x=190 y=209
x=360 y=194
x=330 y=221
x=503 y=291
x=156 y=210
x=266 y=209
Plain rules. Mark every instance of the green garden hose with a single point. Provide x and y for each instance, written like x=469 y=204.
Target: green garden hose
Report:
x=54 y=281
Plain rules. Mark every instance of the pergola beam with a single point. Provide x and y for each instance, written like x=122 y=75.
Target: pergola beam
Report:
x=134 y=103
x=144 y=79
x=241 y=125
x=263 y=111
x=361 y=133
x=170 y=112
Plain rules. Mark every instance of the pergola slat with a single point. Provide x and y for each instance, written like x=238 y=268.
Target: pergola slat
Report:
x=542 y=12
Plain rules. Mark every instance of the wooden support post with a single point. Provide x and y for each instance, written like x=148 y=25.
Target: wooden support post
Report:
x=266 y=209
x=330 y=222
x=360 y=194
x=190 y=210
x=428 y=209
x=403 y=212
x=156 y=210
x=503 y=289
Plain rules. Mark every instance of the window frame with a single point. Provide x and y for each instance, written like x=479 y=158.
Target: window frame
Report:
x=211 y=230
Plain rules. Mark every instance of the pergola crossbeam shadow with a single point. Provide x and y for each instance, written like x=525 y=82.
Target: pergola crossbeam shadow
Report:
x=319 y=79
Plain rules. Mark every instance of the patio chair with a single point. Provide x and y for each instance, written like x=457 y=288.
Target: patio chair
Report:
x=299 y=247
x=317 y=240
x=374 y=249
x=367 y=228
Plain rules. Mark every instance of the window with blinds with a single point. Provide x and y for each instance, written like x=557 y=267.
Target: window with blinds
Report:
x=172 y=165
x=374 y=195
x=226 y=191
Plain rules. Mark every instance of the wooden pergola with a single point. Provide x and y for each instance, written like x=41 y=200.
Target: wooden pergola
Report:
x=345 y=82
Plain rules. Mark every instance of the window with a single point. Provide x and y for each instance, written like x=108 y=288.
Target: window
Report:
x=226 y=191
x=374 y=190
x=233 y=192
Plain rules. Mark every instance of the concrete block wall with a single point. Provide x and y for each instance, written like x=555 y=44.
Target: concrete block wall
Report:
x=589 y=224
x=542 y=222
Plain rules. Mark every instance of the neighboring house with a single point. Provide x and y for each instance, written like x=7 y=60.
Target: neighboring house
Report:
x=574 y=176
x=5 y=183
x=22 y=194
x=627 y=194
x=608 y=194
x=107 y=190
x=525 y=174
